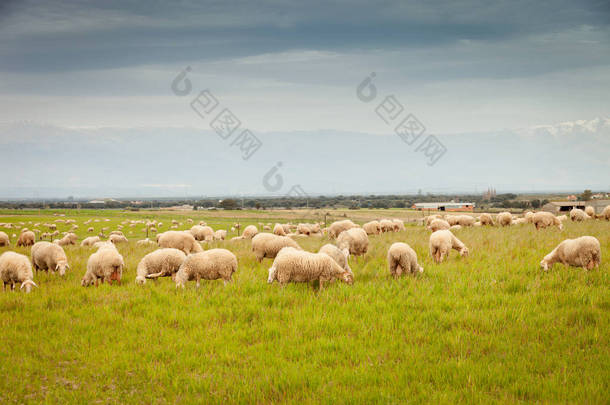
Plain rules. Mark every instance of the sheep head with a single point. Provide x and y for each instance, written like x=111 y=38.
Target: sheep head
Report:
x=27 y=284
x=62 y=267
x=347 y=278
x=464 y=251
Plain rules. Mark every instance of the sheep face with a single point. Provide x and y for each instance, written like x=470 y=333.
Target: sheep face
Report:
x=61 y=268
x=464 y=252
x=347 y=278
x=27 y=285
x=544 y=265
x=420 y=269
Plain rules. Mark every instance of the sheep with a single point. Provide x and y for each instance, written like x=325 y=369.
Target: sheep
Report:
x=355 y=240
x=120 y=233
x=117 y=239
x=89 y=241
x=104 y=245
x=179 y=240
x=545 y=219
x=578 y=215
x=372 y=228
x=292 y=265
x=90 y=229
x=303 y=229
x=4 y=240
x=605 y=213
x=438 y=224
x=529 y=215
x=267 y=228
x=27 y=238
x=398 y=225
x=386 y=225
x=590 y=211
x=402 y=259
x=338 y=255
x=339 y=226
x=16 y=268
x=478 y=223
x=441 y=243
x=451 y=219
x=430 y=218
x=278 y=230
x=200 y=232
x=211 y=264
x=68 y=239
x=268 y=245
x=160 y=263
x=465 y=220
x=220 y=234
x=145 y=242
x=562 y=218
x=455 y=227
x=504 y=218
x=105 y=264
x=49 y=256
x=249 y=232
x=519 y=221
x=582 y=252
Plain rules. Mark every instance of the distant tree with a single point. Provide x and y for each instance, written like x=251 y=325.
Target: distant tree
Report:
x=535 y=203
x=228 y=204
x=586 y=195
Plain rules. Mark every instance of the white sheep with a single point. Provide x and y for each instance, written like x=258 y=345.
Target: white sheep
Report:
x=338 y=255
x=179 y=240
x=529 y=216
x=504 y=218
x=582 y=252
x=49 y=256
x=590 y=211
x=68 y=239
x=465 y=220
x=355 y=240
x=105 y=264
x=605 y=213
x=292 y=265
x=438 y=224
x=27 y=238
x=4 y=239
x=578 y=215
x=211 y=264
x=372 y=228
x=160 y=263
x=117 y=239
x=486 y=219
x=402 y=259
x=398 y=225
x=249 y=232
x=278 y=230
x=441 y=243
x=545 y=219
x=202 y=233
x=267 y=245
x=220 y=234
x=145 y=242
x=386 y=225
x=16 y=268
x=335 y=229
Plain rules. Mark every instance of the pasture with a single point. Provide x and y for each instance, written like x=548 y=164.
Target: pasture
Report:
x=492 y=327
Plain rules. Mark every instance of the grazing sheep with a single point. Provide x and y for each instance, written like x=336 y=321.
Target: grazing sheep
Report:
x=398 y=225
x=104 y=245
x=249 y=232
x=266 y=228
x=545 y=219
x=478 y=223
x=68 y=239
x=117 y=239
x=606 y=213
x=386 y=225
x=372 y=228
x=212 y=264
x=529 y=216
x=455 y=227
x=16 y=268
x=145 y=242
x=402 y=259
x=292 y=265
x=428 y=220
x=49 y=256
x=27 y=238
x=90 y=241
x=338 y=255
x=120 y=233
x=578 y=215
x=160 y=263
x=278 y=230
x=105 y=264
x=339 y=226
x=441 y=243
x=4 y=240
x=179 y=240
x=465 y=220
x=590 y=211
x=438 y=224
x=562 y=218
x=303 y=229
x=202 y=233
x=504 y=218
x=268 y=245
x=451 y=219
x=90 y=230
x=519 y=221
x=220 y=234
x=355 y=240
x=582 y=252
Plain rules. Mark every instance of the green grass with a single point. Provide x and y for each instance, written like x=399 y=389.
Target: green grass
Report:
x=489 y=328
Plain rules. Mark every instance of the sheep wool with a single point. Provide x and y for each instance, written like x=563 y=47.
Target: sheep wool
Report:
x=355 y=240
x=4 y=240
x=297 y=266
x=372 y=228
x=504 y=218
x=16 y=268
x=578 y=215
x=606 y=213
x=337 y=227
x=438 y=224
x=338 y=255
x=386 y=225
x=590 y=211
x=582 y=252
x=267 y=245
x=26 y=238
x=200 y=233
x=90 y=241
x=213 y=264
x=105 y=264
x=441 y=243
x=117 y=239
x=179 y=240
x=398 y=225
x=160 y=263
x=402 y=259
x=545 y=219
x=49 y=256
x=278 y=230
x=249 y=232
x=486 y=219
x=220 y=234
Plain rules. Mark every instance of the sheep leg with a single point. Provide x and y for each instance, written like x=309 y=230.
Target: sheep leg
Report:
x=320 y=284
x=198 y=278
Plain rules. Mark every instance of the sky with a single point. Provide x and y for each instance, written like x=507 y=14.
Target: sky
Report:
x=459 y=67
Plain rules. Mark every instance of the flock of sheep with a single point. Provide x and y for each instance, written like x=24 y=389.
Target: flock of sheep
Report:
x=180 y=254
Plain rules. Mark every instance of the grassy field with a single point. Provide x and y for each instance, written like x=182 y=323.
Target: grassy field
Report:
x=492 y=327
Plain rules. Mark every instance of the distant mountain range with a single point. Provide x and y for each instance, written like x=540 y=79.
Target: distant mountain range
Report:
x=43 y=161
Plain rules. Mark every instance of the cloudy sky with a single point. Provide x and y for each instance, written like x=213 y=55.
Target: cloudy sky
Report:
x=458 y=66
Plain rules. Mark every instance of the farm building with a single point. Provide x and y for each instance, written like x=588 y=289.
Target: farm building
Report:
x=566 y=206
x=445 y=206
